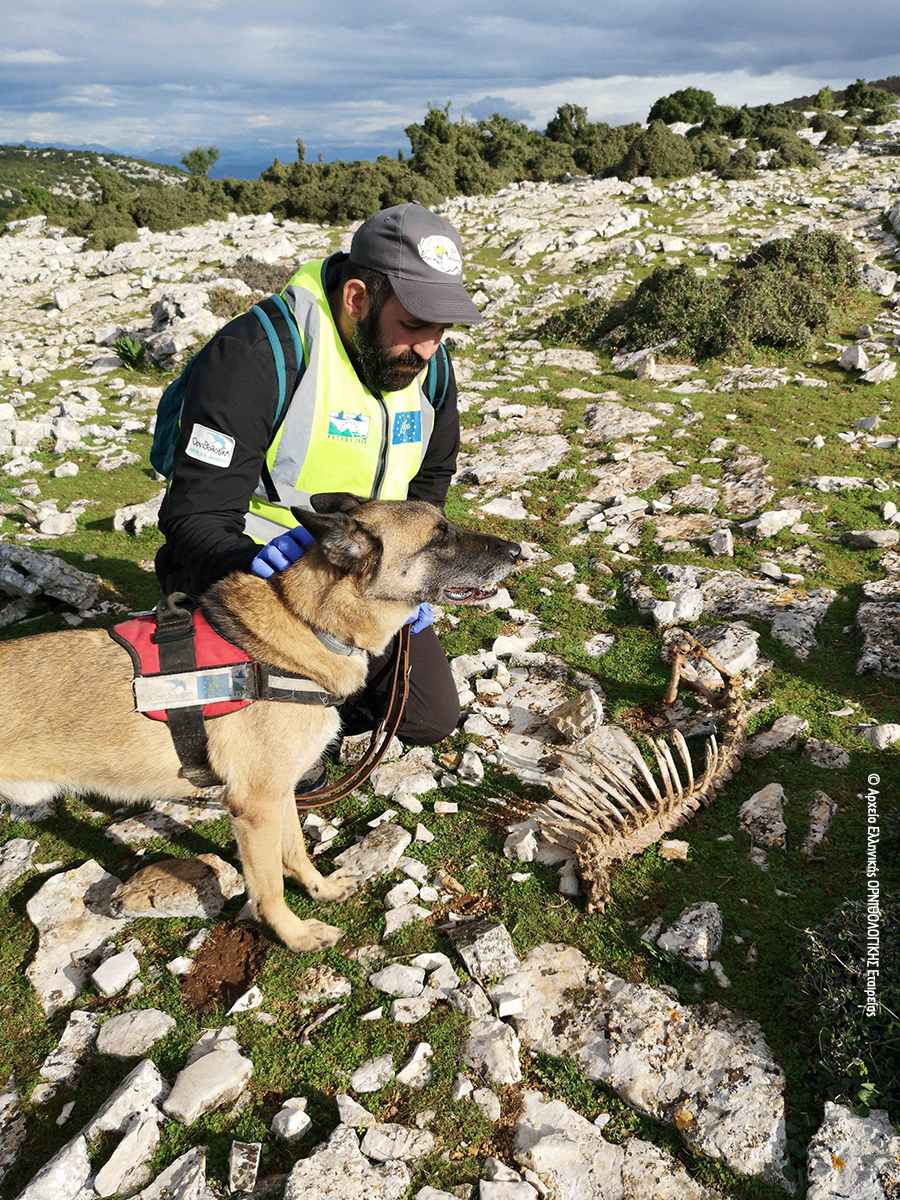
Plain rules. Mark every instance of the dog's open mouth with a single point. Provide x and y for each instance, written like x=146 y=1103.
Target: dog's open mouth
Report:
x=468 y=595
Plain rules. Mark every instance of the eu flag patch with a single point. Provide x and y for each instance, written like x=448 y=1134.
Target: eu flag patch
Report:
x=214 y=687
x=407 y=427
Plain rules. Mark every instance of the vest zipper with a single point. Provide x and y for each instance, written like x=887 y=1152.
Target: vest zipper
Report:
x=382 y=456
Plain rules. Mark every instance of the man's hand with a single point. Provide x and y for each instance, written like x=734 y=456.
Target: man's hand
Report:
x=282 y=551
x=422 y=619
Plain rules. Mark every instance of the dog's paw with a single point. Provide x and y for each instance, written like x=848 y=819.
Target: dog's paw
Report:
x=312 y=935
x=337 y=886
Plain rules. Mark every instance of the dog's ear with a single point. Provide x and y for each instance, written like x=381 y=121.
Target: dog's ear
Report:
x=332 y=502
x=345 y=543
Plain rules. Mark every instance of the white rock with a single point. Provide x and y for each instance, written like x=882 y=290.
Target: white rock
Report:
x=486 y=949
x=377 y=854
x=854 y=358
x=65 y=1064
x=131 y=1034
x=401 y=893
x=492 y=1047
x=337 y=1170
x=291 y=1121
x=353 y=1114
x=386 y=1142
x=575 y=719
x=126 y=1169
x=211 y=1081
x=399 y=980
x=396 y=918
x=852 y=1156
x=416 y=1072
x=243 y=1164
x=769 y=524
x=762 y=816
x=115 y=973
x=373 y=1074
x=184 y=1179
x=695 y=935
x=15 y=860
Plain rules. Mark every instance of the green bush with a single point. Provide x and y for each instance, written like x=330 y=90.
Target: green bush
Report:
x=858 y=1061
x=130 y=350
x=263 y=277
x=688 y=104
x=742 y=165
x=711 y=152
x=824 y=122
x=824 y=99
x=839 y=137
x=863 y=95
x=659 y=153
x=884 y=114
x=790 y=151
x=775 y=298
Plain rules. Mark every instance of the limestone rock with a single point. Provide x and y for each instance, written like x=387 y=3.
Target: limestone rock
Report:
x=485 y=948
x=337 y=1170
x=126 y=1170
x=32 y=573
x=696 y=934
x=373 y=1074
x=69 y=914
x=783 y=735
x=708 y=1072
x=822 y=753
x=179 y=887
x=12 y=1126
x=184 y=1179
x=64 y=1176
x=15 y=860
x=131 y=1034
x=570 y=1156
x=492 y=1047
x=575 y=719
x=386 y=1142
x=399 y=980
x=292 y=1120
x=211 y=1081
x=852 y=1156
x=821 y=812
x=377 y=854
x=115 y=973
x=762 y=816
x=65 y=1064
x=134 y=518
x=243 y=1164
x=882 y=736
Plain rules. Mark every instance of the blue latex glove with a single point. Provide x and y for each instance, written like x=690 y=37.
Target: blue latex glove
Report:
x=282 y=551
x=422 y=619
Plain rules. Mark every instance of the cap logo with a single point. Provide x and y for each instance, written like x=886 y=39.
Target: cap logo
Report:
x=441 y=253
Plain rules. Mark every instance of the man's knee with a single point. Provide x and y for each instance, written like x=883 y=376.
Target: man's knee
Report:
x=425 y=725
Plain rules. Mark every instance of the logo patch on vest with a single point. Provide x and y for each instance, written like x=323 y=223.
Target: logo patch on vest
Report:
x=345 y=427
x=407 y=427
x=210 y=446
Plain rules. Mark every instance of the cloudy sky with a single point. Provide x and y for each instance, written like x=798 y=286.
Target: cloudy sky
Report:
x=152 y=77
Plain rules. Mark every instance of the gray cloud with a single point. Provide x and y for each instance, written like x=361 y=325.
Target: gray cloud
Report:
x=348 y=79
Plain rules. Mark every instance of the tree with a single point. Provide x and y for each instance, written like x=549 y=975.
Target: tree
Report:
x=688 y=104
x=863 y=95
x=824 y=99
x=199 y=161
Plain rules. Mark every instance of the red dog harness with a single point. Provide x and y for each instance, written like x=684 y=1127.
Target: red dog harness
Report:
x=186 y=673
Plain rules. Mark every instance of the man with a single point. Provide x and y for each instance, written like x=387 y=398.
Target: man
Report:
x=359 y=421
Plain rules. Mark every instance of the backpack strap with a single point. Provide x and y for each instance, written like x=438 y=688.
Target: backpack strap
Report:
x=437 y=381
x=287 y=350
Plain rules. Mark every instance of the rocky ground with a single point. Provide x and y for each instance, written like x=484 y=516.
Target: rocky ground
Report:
x=477 y=1032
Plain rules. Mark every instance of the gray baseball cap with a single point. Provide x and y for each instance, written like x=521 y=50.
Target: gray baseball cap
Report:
x=421 y=254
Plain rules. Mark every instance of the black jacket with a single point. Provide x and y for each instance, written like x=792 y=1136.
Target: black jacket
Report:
x=232 y=388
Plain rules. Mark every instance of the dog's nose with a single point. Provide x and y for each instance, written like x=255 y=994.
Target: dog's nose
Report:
x=513 y=549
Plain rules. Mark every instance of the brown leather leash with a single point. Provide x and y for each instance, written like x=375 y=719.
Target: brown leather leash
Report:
x=375 y=752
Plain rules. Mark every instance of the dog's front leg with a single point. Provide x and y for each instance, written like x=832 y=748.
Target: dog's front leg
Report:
x=257 y=828
x=337 y=886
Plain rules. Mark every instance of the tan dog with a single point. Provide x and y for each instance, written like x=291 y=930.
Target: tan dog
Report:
x=67 y=707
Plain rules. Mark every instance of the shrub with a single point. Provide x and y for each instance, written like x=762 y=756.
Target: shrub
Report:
x=790 y=151
x=863 y=95
x=659 y=153
x=687 y=104
x=884 y=114
x=602 y=147
x=838 y=135
x=824 y=99
x=858 y=1060
x=711 y=153
x=579 y=323
x=742 y=165
x=262 y=277
x=777 y=297
x=823 y=258
x=130 y=350
x=824 y=122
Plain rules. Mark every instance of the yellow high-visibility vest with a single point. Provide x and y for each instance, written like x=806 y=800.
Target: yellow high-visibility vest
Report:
x=336 y=435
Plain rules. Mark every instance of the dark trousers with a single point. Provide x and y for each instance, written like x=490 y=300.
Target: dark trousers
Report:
x=432 y=709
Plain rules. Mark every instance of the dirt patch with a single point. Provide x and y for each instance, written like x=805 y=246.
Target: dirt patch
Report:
x=227 y=965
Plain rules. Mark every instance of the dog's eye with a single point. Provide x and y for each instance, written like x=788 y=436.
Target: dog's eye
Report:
x=441 y=535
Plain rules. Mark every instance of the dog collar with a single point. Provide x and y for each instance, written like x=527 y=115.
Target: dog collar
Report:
x=332 y=643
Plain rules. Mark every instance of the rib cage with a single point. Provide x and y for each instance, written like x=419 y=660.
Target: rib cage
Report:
x=601 y=815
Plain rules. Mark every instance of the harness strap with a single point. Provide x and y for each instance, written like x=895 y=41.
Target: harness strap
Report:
x=175 y=638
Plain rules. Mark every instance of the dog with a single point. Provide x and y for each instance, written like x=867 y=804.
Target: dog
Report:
x=67 y=707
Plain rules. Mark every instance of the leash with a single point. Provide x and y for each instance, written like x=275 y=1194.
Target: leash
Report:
x=375 y=752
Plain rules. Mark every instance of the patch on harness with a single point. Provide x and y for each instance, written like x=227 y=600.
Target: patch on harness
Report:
x=191 y=688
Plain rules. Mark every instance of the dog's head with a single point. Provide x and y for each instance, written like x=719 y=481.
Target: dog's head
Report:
x=406 y=551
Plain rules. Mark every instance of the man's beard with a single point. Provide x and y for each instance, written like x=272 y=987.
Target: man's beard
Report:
x=380 y=371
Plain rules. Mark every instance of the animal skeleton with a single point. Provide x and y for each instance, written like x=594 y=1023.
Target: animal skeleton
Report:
x=602 y=815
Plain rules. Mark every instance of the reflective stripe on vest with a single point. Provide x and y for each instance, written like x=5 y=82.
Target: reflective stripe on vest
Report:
x=336 y=435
